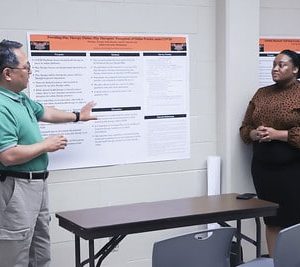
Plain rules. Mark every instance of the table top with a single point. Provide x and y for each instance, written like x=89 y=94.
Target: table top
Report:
x=149 y=216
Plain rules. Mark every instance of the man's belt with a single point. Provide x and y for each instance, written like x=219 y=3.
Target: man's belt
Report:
x=24 y=175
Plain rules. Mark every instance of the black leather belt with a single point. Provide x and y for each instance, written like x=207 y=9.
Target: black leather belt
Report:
x=24 y=175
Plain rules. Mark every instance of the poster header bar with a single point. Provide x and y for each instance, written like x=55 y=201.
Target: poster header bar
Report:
x=107 y=43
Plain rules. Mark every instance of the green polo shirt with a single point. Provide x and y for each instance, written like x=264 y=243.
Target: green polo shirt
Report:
x=19 y=117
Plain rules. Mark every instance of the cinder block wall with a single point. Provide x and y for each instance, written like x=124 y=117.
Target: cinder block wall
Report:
x=94 y=187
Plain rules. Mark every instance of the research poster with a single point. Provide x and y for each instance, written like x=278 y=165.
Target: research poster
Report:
x=268 y=49
x=139 y=82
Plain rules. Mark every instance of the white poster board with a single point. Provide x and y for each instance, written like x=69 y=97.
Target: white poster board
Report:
x=141 y=87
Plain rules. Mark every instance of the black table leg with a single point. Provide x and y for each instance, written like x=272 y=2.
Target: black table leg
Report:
x=238 y=240
x=77 y=251
x=258 y=237
x=108 y=248
x=91 y=253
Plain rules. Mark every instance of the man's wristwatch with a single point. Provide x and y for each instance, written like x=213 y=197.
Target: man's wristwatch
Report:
x=77 y=114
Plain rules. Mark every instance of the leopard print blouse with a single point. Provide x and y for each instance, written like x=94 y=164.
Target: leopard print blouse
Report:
x=277 y=107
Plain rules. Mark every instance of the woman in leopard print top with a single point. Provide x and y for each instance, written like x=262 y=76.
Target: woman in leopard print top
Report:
x=272 y=125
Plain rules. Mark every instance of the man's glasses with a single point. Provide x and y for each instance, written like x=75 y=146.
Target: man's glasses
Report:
x=27 y=67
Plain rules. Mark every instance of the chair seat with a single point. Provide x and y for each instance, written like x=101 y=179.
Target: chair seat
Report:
x=260 y=262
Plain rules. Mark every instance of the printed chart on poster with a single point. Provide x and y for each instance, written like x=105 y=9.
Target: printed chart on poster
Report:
x=139 y=82
x=269 y=48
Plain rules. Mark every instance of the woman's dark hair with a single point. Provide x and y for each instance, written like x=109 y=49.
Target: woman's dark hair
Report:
x=295 y=57
x=7 y=55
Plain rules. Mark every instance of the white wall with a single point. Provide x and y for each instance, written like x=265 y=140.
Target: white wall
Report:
x=279 y=18
x=224 y=75
x=94 y=187
x=237 y=79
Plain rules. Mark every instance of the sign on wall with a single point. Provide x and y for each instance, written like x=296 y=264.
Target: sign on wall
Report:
x=139 y=82
x=268 y=49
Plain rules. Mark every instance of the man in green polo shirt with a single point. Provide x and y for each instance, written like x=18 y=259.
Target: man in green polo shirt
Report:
x=24 y=213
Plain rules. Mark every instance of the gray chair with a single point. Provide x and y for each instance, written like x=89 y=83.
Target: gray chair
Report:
x=286 y=251
x=209 y=248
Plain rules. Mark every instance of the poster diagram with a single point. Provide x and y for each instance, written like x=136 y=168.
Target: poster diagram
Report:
x=140 y=85
x=268 y=50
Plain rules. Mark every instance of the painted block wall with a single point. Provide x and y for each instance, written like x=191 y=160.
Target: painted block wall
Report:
x=104 y=186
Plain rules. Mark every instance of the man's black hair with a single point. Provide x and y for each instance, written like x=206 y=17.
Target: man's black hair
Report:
x=7 y=54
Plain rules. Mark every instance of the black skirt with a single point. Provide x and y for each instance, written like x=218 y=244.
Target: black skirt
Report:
x=276 y=176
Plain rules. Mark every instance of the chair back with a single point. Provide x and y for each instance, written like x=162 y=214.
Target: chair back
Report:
x=287 y=247
x=208 y=248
